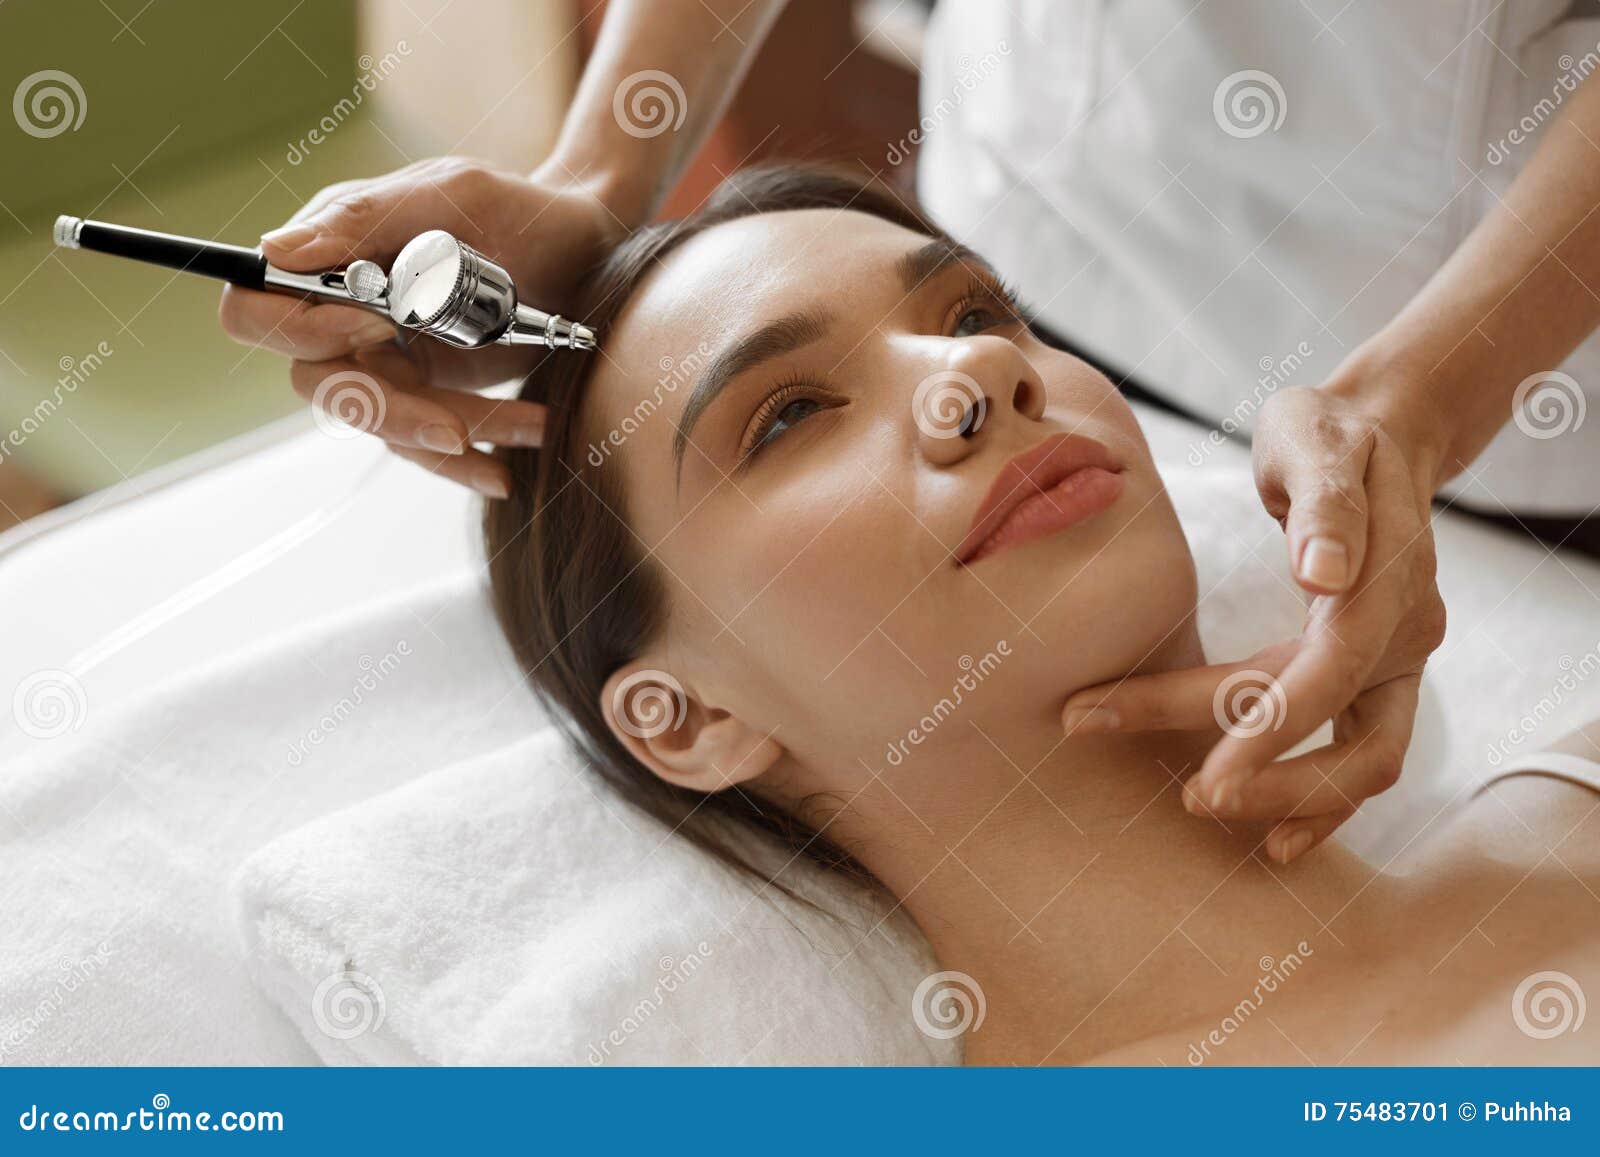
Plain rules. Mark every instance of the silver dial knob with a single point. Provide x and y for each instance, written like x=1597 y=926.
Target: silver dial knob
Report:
x=366 y=280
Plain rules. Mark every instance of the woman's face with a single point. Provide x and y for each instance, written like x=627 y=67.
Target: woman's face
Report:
x=793 y=403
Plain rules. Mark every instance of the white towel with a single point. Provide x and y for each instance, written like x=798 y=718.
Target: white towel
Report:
x=504 y=911
x=117 y=843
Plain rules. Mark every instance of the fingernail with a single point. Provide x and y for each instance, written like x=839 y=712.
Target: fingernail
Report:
x=1293 y=846
x=1325 y=563
x=527 y=436
x=1227 y=797
x=440 y=438
x=490 y=485
x=290 y=237
x=1090 y=719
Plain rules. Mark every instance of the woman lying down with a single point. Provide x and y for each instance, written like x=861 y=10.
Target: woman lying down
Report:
x=757 y=548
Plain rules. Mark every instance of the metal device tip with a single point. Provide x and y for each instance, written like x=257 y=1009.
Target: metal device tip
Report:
x=66 y=231
x=582 y=337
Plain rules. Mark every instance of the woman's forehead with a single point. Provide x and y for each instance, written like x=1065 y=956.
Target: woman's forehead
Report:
x=730 y=279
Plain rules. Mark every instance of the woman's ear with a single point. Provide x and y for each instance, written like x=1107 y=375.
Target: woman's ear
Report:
x=679 y=738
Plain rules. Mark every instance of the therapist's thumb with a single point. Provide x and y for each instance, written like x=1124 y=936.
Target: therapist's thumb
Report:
x=1327 y=530
x=370 y=220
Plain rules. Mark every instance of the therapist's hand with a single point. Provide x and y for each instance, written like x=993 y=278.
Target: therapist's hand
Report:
x=1352 y=492
x=545 y=230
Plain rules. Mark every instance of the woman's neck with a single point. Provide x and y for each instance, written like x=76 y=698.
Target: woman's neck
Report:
x=1067 y=879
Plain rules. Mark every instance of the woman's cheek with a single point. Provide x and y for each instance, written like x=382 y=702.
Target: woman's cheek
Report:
x=832 y=563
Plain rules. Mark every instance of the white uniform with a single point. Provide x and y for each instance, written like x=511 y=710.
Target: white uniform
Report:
x=1219 y=197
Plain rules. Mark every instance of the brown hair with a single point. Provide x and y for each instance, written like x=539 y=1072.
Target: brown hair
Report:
x=575 y=594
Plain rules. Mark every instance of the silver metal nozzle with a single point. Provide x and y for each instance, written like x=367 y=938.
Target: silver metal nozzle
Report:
x=559 y=333
x=531 y=326
x=66 y=231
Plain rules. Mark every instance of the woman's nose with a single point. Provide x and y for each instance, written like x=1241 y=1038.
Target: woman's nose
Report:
x=984 y=383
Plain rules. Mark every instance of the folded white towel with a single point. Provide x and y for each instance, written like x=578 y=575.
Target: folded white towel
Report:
x=117 y=843
x=505 y=911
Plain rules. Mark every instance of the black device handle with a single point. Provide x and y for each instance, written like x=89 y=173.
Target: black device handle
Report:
x=233 y=263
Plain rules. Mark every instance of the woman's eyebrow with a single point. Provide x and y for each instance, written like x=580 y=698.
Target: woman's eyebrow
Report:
x=773 y=340
x=928 y=261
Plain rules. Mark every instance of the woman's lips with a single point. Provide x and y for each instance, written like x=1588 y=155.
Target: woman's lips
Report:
x=1059 y=483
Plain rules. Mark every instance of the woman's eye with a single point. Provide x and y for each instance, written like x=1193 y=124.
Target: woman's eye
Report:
x=976 y=320
x=789 y=415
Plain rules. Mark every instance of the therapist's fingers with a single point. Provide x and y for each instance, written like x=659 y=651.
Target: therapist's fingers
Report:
x=1311 y=454
x=380 y=393
x=1189 y=699
x=472 y=469
x=376 y=218
x=350 y=392
x=501 y=421
x=1291 y=840
x=299 y=328
x=1390 y=619
x=1364 y=760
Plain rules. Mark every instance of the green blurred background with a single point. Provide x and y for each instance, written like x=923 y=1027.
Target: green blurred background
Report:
x=195 y=117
